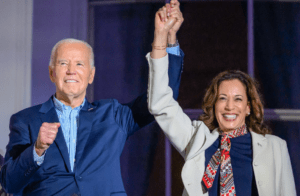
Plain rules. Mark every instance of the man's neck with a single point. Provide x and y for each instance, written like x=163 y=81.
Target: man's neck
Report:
x=71 y=101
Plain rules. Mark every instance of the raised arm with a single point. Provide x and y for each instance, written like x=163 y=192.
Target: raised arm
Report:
x=138 y=106
x=167 y=112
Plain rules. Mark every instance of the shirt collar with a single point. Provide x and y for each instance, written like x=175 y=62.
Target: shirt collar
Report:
x=61 y=107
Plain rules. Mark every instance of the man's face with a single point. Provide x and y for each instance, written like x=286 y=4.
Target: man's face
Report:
x=71 y=71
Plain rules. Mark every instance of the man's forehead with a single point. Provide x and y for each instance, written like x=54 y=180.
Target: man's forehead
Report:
x=69 y=46
x=78 y=50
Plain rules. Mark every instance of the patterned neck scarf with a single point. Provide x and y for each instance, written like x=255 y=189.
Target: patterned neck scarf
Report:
x=222 y=156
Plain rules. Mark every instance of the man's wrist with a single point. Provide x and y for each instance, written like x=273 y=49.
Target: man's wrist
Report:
x=173 y=45
x=39 y=151
x=172 y=38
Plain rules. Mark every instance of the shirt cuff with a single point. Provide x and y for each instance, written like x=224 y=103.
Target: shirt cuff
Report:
x=38 y=159
x=174 y=50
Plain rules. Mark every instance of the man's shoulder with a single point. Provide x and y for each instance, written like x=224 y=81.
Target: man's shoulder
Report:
x=28 y=112
x=105 y=102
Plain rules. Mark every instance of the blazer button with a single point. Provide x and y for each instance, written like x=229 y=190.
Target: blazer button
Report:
x=255 y=164
x=260 y=183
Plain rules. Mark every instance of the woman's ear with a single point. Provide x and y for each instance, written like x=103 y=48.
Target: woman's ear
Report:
x=248 y=109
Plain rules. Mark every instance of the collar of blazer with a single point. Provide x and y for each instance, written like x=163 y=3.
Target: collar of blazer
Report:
x=48 y=105
x=203 y=139
x=259 y=144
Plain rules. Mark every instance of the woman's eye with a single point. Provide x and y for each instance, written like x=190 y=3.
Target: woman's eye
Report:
x=222 y=98
x=238 y=99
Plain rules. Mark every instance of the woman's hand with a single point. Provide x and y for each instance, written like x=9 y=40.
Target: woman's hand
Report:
x=164 y=22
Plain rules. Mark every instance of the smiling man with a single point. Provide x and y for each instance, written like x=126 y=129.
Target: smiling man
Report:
x=72 y=71
x=68 y=146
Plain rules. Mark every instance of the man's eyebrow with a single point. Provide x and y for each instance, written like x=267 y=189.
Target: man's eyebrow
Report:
x=61 y=60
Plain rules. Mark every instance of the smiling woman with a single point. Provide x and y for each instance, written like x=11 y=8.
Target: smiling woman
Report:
x=240 y=90
x=229 y=151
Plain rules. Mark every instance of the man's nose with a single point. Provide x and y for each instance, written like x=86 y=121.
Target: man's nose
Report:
x=71 y=69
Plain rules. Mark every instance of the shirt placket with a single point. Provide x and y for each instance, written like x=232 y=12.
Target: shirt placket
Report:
x=73 y=131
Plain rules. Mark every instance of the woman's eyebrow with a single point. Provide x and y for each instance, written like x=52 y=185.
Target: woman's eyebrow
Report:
x=238 y=95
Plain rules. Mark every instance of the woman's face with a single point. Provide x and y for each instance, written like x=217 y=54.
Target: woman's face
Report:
x=232 y=105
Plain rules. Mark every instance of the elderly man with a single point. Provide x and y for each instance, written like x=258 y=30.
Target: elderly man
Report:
x=68 y=146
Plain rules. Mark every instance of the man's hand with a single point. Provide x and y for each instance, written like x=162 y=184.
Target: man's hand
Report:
x=163 y=23
x=46 y=137
x=173 y=10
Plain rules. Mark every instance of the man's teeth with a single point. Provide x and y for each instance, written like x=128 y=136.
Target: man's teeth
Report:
x=71 y=81
x=230 y=116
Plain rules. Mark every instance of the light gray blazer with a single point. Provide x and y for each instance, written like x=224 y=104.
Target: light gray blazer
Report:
x=271 y=161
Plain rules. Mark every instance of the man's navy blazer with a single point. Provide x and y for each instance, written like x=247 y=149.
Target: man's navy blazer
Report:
x=103 y=129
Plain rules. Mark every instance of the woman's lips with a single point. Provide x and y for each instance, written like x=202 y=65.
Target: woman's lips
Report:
x=229 y=117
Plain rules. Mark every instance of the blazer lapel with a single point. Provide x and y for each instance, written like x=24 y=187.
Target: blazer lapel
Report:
x=49 y=115
x=86 y=116
x=259 y=145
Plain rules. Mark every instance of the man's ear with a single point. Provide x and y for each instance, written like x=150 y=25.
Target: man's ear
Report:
x=51 y=73
x=92 y=75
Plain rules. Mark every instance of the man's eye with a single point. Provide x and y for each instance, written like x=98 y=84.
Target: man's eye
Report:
x=79 y=64
x=63 y=63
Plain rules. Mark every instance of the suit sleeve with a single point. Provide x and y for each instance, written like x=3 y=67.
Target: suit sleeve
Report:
x=288 y=182
x=19 y=164
x=138 y=107
x=169 y=115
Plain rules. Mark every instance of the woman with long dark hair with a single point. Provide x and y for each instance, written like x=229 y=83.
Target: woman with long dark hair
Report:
x=228 y=151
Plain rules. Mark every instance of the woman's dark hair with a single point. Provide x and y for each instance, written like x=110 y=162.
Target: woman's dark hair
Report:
x=254 y=121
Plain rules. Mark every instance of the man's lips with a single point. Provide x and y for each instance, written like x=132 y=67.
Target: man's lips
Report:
x=71 y=81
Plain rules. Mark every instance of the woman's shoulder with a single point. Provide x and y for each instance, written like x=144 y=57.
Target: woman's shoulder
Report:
x=197 y=123
x=202 y=129
x=200 y=125
x=275 y=139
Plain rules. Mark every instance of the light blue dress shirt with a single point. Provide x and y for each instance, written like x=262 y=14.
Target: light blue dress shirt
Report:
x=174 y=50
x=69 y=119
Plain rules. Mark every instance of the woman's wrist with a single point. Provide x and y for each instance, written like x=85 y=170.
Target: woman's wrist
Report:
x=160 y=38
x=159 y=45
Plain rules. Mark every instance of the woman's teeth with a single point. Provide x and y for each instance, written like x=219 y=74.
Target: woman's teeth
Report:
x=230 y=117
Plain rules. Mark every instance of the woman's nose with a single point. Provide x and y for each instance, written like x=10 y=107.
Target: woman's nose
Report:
x=229 y=105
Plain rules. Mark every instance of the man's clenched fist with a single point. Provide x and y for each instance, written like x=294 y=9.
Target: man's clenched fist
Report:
x=46 y=137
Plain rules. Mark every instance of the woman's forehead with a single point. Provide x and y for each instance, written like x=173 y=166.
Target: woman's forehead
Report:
x=232 y=87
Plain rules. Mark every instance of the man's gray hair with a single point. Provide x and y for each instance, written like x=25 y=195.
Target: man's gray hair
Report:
x=71 y=40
